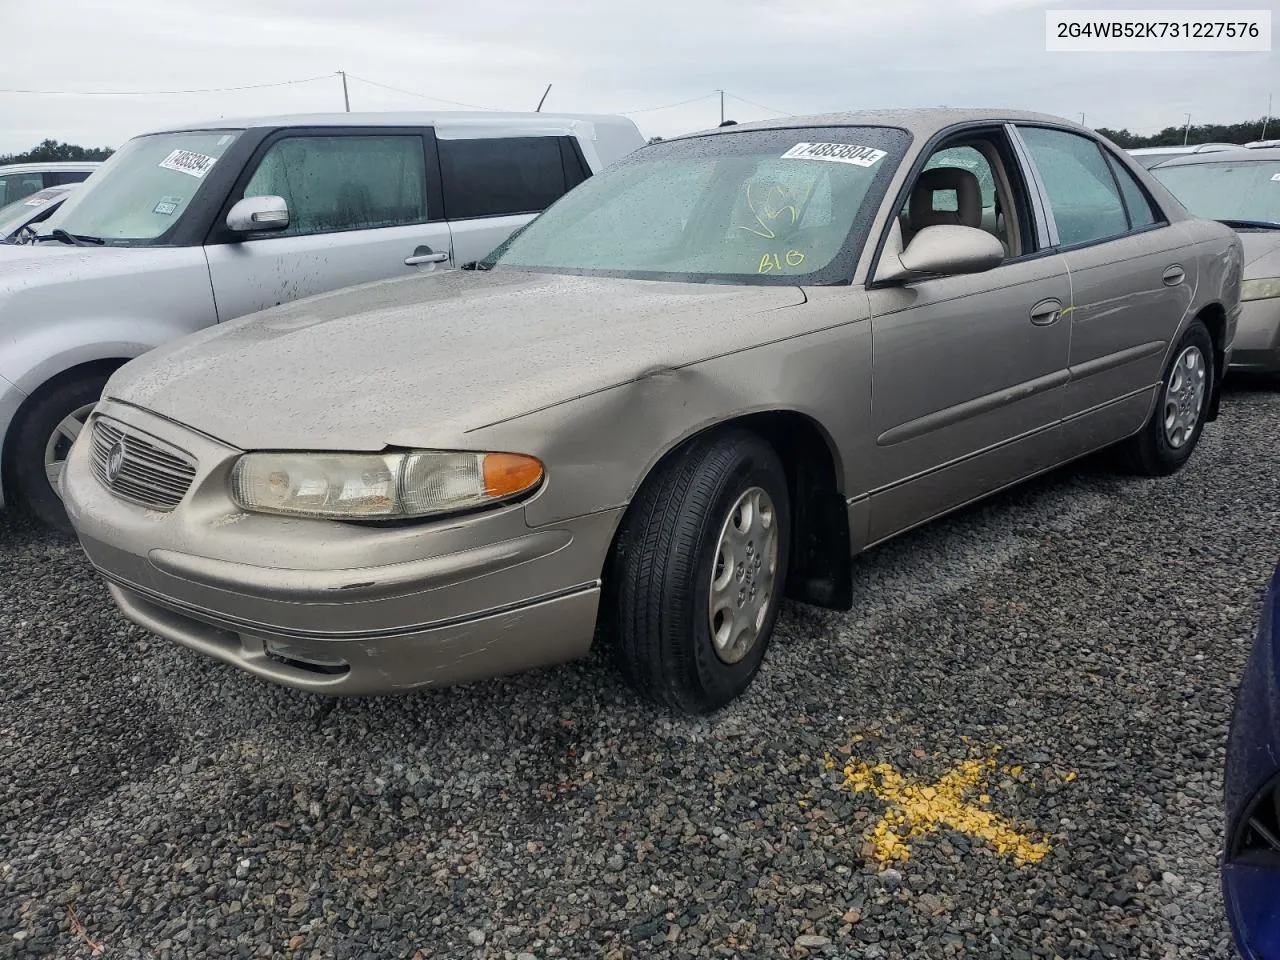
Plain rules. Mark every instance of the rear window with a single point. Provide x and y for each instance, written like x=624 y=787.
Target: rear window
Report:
x=501 y=176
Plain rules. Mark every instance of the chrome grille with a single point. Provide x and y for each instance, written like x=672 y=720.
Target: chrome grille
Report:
x=149 y=472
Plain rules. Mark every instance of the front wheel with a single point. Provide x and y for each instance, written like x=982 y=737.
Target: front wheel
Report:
x=42 y=438
x=1167 y=439
x=698 y=571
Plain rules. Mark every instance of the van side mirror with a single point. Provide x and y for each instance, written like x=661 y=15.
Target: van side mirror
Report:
x=254 y=214
x=946 y=249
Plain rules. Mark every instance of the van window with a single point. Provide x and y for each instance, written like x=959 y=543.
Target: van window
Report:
x=342 y=183
x=499 y=176
x=15 y=186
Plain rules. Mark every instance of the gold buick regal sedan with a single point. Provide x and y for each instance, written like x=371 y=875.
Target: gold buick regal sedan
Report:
x=697 y=384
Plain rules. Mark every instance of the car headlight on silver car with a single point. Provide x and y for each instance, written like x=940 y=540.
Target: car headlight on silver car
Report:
x=1264 y=289
x=356 y=486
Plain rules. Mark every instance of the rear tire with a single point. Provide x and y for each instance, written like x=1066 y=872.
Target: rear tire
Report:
x=697 y=573
x=1168 y=438
x=41 y=439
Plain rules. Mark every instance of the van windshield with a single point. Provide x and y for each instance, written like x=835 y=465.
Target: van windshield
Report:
x=144 y=189
x=754 y=206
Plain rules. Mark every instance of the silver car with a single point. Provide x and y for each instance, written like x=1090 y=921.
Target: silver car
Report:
x=199 y=224
x=1242 y=189
x=697 y=384
x=20 y=180
x=19 y=219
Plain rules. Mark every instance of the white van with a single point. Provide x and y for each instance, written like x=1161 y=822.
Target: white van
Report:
x=196 y=225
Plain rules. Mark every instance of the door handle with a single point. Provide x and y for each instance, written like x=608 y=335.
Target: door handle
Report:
x=425 y=255
x=1046 y=312
x=1173 y=276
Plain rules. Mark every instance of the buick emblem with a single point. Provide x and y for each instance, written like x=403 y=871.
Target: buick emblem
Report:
x=115 y=461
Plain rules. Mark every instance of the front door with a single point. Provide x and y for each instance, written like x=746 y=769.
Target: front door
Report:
x=358 y=211
x=969 y=371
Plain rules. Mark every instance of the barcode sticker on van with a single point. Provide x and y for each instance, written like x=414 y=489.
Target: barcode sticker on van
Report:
x=192 y=164
x=836 y=152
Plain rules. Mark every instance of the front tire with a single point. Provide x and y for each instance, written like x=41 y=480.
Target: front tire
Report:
x=41 y=440
x=698 y=570
x=1167 y=439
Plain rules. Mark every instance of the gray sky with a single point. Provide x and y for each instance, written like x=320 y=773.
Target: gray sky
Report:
x=785 y=56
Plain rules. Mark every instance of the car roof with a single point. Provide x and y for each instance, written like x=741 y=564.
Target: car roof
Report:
x=919 y=121
x=414 y=118
x=53 y=166
x=1191 y=148
x=1236 y=155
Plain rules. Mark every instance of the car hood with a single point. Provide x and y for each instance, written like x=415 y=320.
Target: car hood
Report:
x=28 y=265
x=421 y=361
x=1261 y=253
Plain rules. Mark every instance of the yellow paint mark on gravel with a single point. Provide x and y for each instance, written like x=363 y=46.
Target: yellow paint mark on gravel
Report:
x=916 y=809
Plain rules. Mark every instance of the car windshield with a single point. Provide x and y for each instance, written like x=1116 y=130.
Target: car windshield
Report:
x=19 y=210
x=145 y=188
x=1239 y=190
x=763 y=206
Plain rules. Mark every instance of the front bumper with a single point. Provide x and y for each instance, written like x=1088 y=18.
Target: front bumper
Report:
x=1257 y=343
x=334 y=607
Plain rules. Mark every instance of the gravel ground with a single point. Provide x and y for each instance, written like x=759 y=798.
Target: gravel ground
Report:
x=1090 y=627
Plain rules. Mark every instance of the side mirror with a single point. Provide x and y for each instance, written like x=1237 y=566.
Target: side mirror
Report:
x=253 y=214
x=946 y=249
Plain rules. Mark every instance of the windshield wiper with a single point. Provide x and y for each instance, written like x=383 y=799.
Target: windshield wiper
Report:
x=75 y=239
x=1251 y=224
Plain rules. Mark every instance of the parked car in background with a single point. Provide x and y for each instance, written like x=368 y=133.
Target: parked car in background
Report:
x=1241 y=188
x=698 y=382
x=30 y=211
x=1251 y=860
x=1150 y=156
x=20 y=180
x=191 y=226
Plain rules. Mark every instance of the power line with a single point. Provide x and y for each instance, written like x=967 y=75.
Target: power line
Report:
x=162 y=93
x=668 y=106
x=422 y=96
x=780 y=113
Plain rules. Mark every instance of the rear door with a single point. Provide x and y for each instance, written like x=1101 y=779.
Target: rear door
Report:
x=364 y=204
x=1132 y=278
x=495 y=185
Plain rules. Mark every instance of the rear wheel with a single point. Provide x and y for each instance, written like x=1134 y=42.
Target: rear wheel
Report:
x=1167 y=439
x=698 y=571
x=41 y=440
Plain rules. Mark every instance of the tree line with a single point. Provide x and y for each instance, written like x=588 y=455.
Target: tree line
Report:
x=1198 y=133
x=49 y=150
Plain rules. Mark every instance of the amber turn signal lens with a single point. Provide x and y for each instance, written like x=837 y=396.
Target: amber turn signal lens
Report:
x=506 y=474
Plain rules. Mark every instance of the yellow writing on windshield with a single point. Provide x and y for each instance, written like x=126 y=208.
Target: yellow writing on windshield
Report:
x=773 y=261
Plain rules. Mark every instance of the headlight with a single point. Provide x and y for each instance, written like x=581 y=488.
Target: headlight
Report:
x=356 y=485
x=1263 y=289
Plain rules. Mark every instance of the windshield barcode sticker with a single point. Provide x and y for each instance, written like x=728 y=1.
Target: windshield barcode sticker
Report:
x=1275 y=176
x=192 y=164
x=836 y=152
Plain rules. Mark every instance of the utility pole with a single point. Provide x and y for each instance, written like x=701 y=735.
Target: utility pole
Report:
x=1186 y=131
x=1082 y=118
x=1266 y=119
x=346 y=101
x=721 y=92
x=544 y=98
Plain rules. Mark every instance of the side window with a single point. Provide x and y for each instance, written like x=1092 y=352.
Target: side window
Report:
x=65 y=176
x=15 y=186
x=342 y=183
x=499 y=176
x=963 y=184
x=1083 y=196
x=1141 y=212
